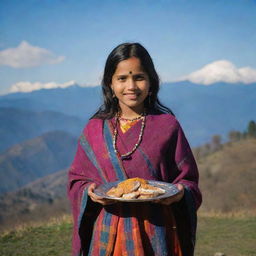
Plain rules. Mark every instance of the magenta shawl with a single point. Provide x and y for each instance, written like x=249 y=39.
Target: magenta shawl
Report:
x=164 y=155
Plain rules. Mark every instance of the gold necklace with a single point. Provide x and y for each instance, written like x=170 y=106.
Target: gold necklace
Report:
x=126 y=155
x=129 y=120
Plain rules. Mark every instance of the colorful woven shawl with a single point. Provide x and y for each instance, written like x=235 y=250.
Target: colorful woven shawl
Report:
x=134 y=228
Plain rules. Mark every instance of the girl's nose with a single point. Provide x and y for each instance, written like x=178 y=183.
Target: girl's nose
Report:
x=131 y=83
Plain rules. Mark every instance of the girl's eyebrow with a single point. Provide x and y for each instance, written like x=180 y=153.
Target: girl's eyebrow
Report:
x=139 y=74
x=122 y=75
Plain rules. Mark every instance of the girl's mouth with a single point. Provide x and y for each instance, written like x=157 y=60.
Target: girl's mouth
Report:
x=131 y=96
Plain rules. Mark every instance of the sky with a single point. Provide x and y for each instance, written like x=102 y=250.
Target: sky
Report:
x=56 y=43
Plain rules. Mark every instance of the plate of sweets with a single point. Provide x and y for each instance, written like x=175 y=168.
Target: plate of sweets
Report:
x=136 y=190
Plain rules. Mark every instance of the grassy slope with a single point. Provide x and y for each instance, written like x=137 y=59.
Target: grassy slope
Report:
x=52 y=238
x=227 y=177
x=234 y=236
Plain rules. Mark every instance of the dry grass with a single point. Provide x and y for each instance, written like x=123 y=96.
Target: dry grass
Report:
x=21 y=228
x=232 y=214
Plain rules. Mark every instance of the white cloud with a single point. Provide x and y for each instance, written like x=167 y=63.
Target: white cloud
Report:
x=29 y=87
x=26 y=55
x=221 y=71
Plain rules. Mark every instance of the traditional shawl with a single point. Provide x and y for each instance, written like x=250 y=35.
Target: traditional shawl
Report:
x=164 y=154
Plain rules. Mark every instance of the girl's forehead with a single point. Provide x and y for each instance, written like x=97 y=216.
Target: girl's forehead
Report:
x=129 y=66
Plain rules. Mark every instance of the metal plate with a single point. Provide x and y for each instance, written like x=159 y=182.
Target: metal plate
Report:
x=170 y=190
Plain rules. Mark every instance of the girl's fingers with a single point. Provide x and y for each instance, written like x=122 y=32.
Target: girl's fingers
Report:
x=90 y=192
x=98 y=199
x=172 y=199
x=91 y=188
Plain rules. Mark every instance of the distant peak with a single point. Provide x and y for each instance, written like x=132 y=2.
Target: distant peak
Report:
x=221 y=71
x=26 y=86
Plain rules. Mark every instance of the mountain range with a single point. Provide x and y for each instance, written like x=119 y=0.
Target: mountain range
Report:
x=202 y=110
x=18 y=125
x=35 y=158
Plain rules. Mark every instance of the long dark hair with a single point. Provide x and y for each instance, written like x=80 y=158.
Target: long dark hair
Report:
x=123 y=52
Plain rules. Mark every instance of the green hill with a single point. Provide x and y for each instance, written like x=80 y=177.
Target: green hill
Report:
x=232 y=236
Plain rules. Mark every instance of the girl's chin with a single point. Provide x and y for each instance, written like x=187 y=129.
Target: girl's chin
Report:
x=132 y=106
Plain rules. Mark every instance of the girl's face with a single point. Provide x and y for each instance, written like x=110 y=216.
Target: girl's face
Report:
x=130 y=84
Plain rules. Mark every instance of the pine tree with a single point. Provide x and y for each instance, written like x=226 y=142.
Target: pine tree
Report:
x=251 y=129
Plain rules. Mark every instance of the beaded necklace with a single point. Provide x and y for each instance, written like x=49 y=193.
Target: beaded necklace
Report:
x=129 y=120
x=126 y=155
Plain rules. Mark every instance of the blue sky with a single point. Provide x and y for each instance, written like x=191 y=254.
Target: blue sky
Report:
x=71 y=39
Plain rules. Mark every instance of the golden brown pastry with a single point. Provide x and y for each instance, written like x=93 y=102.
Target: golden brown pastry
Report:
x=135 y=188
x=148 y=189
x=131 y=185
x=131 y=195
x=115 y=192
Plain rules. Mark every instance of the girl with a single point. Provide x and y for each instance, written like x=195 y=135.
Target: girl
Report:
x=133 y=135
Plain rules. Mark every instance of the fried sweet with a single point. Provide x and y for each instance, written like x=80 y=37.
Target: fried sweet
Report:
x=131 y=185
x=135 y=188
x=131 y=195
x=115 y=192
x=148 y=189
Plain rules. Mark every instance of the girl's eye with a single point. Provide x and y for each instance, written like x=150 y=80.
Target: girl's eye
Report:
x=140 y=78
x=121 y=78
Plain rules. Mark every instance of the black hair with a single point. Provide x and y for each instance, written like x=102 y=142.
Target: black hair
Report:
x=123 y=52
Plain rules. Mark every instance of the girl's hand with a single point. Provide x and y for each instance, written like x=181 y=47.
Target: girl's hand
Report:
x=98 y=199
x=172 y=199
